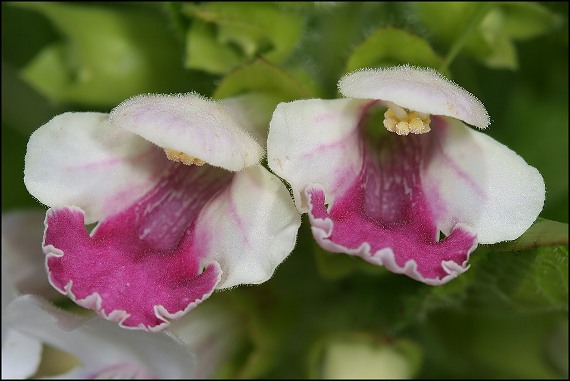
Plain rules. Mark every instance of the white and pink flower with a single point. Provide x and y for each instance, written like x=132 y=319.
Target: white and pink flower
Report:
x=183 y=206
x=387 y=199
x=91 y=346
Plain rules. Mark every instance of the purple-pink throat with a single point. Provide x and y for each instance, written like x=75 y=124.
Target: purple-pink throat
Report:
x=145 y=263
x=385 y=216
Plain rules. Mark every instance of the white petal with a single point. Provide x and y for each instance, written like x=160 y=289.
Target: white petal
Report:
x=190 y=124
x=98 y=343
x=21 y=355
x=252 y=227
x=316 y=141
x=22 y=257
x=80 y=159
x=418 y=89
x=215 y=331
x=478 y=181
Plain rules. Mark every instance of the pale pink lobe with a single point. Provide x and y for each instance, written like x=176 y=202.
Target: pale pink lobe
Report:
x=145 y=263
x=386 y=219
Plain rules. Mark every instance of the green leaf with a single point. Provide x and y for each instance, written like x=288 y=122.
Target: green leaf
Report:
x=486 y=30
x=502 y=52
x=488 y=344
x=525 y=20
x=14 y=193
x=448 y=22
x=108 y=54
x=239 y=31
x=178 y=23
x=450 y=296
x=203 y=52
x=260 y=86
x=542 y=233
x=261 y=76
x=49 y=72
x=266 y=324
x=391 y=46
x=528 y=281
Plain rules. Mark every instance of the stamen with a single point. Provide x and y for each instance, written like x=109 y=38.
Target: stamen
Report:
x=402 y=122
x=182 y=157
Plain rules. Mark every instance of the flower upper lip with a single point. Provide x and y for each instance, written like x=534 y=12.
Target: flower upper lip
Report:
x=418 y=89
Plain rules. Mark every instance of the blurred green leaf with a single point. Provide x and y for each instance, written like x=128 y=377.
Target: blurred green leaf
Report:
x=497 y=26
x=108 y=54
x=450 y=296
x=261 y=76
x=334 y=266
x=18 y=99
x=524 y=20
x=203 y=52
x=528 y=281
x=391 y=46
x=178 y=23
x=260 y=86
x=542 y=233
x=502 y=53
x=14 y=193
x=484 y=344
x=24 y=33
x=449 y=21
x=266 y=326
x=237 y=32
x=557 y=348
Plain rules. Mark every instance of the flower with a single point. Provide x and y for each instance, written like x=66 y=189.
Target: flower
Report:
x=104 y=350
x=30 y=322
x=389 y=198
x=183 y=206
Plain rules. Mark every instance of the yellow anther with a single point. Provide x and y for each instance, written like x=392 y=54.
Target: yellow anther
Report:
x=182 y=157
x=402 y=122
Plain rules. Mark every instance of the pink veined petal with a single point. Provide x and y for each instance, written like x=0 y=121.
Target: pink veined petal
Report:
x=67 y=157
x=144 y=264
x=316 y=141
x=386 y=219
x=252 y=226
x=473 y=179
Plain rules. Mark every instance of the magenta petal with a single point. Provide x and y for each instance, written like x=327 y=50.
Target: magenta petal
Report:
x=386 y=219
x=143 y=264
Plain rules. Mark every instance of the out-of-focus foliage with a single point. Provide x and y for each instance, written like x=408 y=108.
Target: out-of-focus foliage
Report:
x=495 y=27
x=224 y=35
x=506 y=317
x=391 y=46
x=104 y=55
